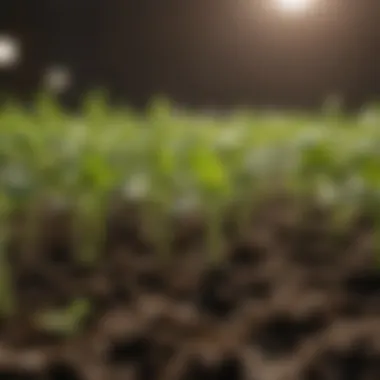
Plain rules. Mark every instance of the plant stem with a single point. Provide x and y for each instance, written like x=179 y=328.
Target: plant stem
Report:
x=215 y=239
x=33 y=228
x=88 y=230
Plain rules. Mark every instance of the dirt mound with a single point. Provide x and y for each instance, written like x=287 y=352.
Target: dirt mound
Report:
x=293 y=299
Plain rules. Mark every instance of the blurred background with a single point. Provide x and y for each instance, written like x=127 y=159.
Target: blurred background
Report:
x=207 y=53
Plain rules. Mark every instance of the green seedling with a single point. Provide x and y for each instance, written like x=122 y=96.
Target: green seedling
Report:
x=84 y=158
x=212 y=177
x=67 y=321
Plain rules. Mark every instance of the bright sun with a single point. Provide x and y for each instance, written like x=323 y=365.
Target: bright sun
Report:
x=294 y=6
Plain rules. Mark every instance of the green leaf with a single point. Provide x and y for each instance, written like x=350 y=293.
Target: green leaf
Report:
x=209 y=170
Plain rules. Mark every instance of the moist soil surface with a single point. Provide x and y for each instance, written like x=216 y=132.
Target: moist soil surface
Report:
x=293 y=299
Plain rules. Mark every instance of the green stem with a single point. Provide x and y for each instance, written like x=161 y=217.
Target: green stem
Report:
x=33 y=228
x=158 y=223
x=88 y=230
x=214 y=237
x=245 y=208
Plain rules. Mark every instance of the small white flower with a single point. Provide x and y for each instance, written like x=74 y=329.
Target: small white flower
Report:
x=327 y=191
x=186 y=203
x=72 y=146
x=230 y=138
x=58 y=79
x=137 y=187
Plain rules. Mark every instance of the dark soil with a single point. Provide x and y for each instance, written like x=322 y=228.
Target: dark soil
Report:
x=293 y=300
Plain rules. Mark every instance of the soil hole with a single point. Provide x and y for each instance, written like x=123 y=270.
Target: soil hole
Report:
x=247 y=254
x=213 y=298
x=259 y=290
x=16 y=375
x=282 y=334
x=228 y=369
x=151 y=281
x=365 y=283
x=62 y=371
x=355 y=363
x=33 y=284
x=128 y=350
x=59 y=253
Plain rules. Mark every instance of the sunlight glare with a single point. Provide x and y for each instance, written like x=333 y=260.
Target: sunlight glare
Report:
x=10 y=52
x=294 y=6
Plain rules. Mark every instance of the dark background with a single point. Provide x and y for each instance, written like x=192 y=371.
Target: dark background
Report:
x=198 y=52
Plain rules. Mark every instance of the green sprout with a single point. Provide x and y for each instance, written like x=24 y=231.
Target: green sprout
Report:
x=213 y=180
x=66 y=321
